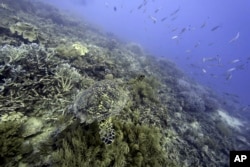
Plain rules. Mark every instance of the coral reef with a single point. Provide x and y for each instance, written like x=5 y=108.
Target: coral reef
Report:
x=52 y=63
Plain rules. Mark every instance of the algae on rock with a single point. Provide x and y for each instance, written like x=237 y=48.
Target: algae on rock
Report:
x=135 y=145
x=10 y=140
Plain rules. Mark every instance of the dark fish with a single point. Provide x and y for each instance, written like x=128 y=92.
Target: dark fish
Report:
x=175 y=12
x=203 y=25
x=115 y=8
x=215 y=28
x=140 y=6
x=229 y=76
x=163 y=19
x=157 y=10
x=183 y=30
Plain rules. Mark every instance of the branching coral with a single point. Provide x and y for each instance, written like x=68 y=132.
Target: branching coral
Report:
x=31 y=79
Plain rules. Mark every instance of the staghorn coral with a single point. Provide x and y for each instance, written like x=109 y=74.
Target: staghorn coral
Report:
x=31 y=79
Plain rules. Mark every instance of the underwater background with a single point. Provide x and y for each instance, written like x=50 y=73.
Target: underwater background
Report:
x=115 y=83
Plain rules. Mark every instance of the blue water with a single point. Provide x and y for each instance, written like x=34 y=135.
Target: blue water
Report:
x=125 y=20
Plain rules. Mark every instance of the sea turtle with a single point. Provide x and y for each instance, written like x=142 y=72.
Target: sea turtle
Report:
x=100 y=102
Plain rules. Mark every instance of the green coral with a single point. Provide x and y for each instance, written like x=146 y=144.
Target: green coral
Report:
x=10 y=140
x=135 y=145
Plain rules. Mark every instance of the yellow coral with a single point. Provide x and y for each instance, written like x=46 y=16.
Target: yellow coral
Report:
x=25 y=30
x=72 y=50
x=80 y=48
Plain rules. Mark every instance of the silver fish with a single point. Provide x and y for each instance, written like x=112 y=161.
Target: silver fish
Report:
x=205 y=59
x=229 y=76
x=235 y=38
x=231 y=70
x=235 y=61
x=153 y=19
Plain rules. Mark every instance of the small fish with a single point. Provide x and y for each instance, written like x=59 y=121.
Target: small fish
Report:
x=175 y=12
x=203 y=25
x=153 y=19
x=231 y=69
x=229 y=76
x=183 y=30
x=163 y=19
x=115 y=8
x=235 y=38
x=174 y=37
x=140 y=6
x=157 y=10
x=235 y=61
x=204 y=70
x=205 y=59
x=215 y=28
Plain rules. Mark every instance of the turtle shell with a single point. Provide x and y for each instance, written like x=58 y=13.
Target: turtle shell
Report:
x=101 y=100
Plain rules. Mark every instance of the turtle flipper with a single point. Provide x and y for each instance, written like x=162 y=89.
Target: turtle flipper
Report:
x=107 y=132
